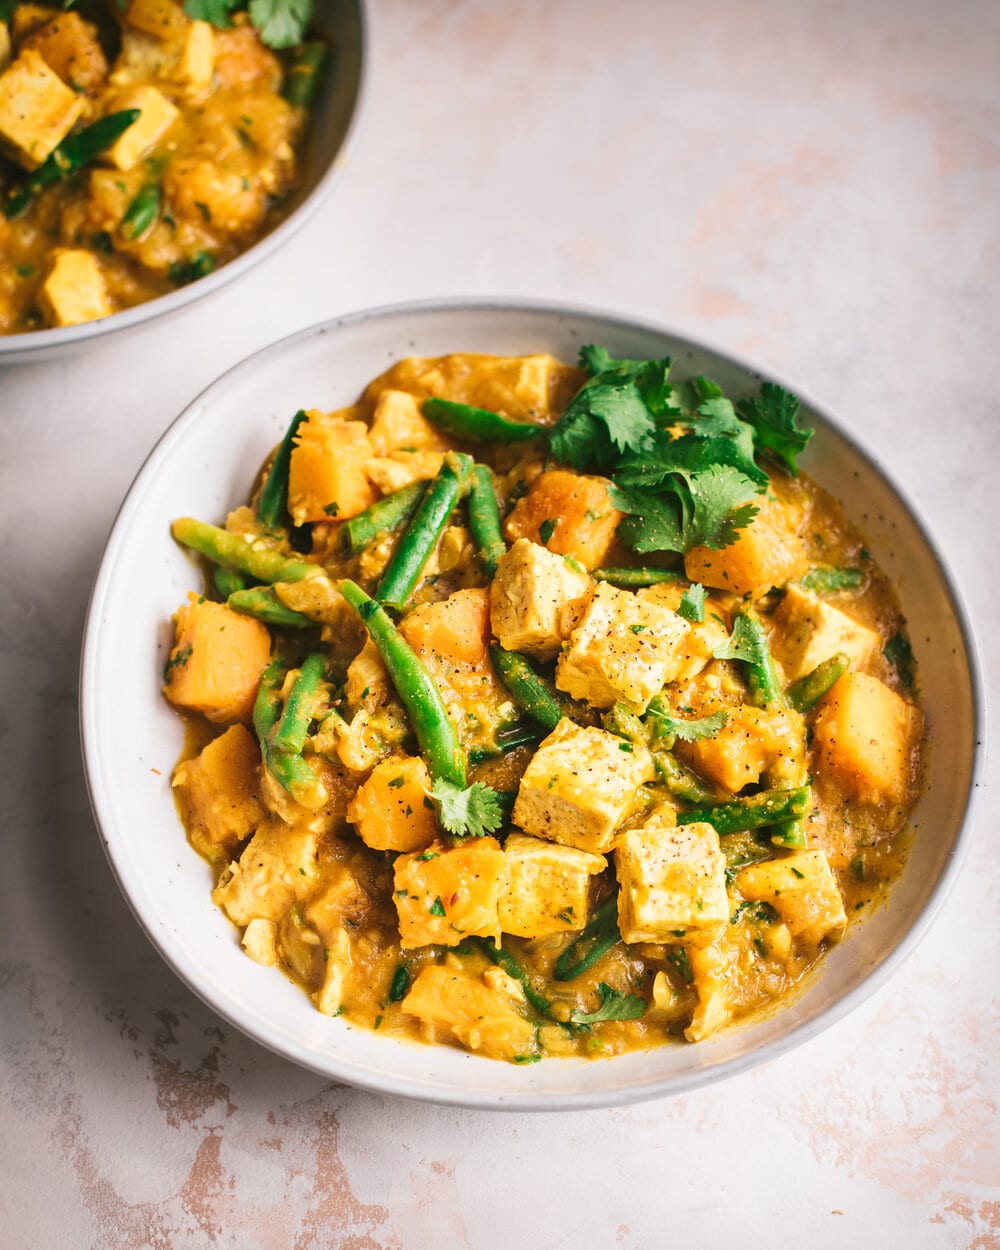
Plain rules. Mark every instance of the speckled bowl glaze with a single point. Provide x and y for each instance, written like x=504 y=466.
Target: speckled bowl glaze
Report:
x=333 y=128
x=131 y=738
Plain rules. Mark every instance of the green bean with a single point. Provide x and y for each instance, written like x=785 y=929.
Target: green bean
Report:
x=629 y=578
x=289 y=769
x=770 y=807
x=805 y=693
x=306 y=74
x=825 y=580
x=484 y=519
x=525 y=687
x=681 y=781
x=289 y=734
x=509 y=739
x=761 y=674
x=142 y=212
x=621 y=720
x=477 y=424
x=380 y=518
x=436 y=735
x=261 y=602
x=243 y=552
x=595 y=940
x=73 y=153
x=228 y=581
x=420 y=537
x=791 y=835
x=505 y=960
x=272 y=502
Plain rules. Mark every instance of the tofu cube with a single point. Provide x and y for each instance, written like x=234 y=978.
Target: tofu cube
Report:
x=673 y=881
x=277 y=868
x=808 y=631
x=751 y=742
x=392 y=473
x=802 y=890
x=196 y=63
x=444 y=895
x=703 y=638
x=219 y=791
x=624 y=649
x=715 y=969
x=482 y=1018
x=536 y=600
x=326 y=476
x=74 y=291
x=5 y=48
x=399 y=425
x=37 y=109
x=156 y=116
x=392 y=811
x=260 y=941
x=570 y=514
x=863 y=738
x=580 y=785
x=548 y=887
x=768 y=552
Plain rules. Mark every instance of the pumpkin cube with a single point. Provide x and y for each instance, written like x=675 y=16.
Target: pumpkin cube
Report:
x=219 y=790
x=37 y=109
x=480 y=1017
x=624 y=649
x=326 y=476
x=75 y=291
x=751 y=742
x=70 y=46
x=802 y=890
x=156 y=116
x=456 y=629
x=392 y=811
x=767 y=552
x=548 y=886
x=807 y=631
x=444 y=895
x=216 y=661
x=536 y=599
x=580 y=785
x=863 y=737
x=569 y=514
x=673 y=881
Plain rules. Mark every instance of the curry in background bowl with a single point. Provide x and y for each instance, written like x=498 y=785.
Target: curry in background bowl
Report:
x=145 y=148
x=544 y=709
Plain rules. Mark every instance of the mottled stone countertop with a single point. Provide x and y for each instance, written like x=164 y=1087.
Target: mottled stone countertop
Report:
x=814 y=185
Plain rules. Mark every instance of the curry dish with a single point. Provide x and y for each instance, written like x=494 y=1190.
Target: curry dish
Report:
x=543 y=710
x=140 y=150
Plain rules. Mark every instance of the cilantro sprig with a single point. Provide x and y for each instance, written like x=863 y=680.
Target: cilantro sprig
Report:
x=280 y=23
x=667 y=726
x=472 y=812
x=615 y=1005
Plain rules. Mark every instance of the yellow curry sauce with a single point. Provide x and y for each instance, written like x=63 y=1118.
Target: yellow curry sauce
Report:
x=195 y=179
x=354 y=885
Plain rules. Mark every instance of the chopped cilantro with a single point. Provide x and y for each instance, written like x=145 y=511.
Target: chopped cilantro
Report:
x=687 y=730
x=774 y=417
x=396 y=782
x=742 y=644
x=615 y=1005
x=858 y=867
x=472 y=812
x=427 y=855
x=527 y=1058
x=547 y=529
x=437 y=907
x=692 y=604
x=178 y=660
x=637 y=629
x=679 y=960
x=400 y=982
x=899 y=653
x=281 y=23
x=214 y=11
x=332 y=509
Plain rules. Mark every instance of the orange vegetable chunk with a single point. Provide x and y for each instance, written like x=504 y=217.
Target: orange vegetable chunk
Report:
x=444 y=895
x=219 y=790
x=216 y=661
x=392 y=811
x=326 y=476
x=576 y=509
x=456 y=629
x=767 y=553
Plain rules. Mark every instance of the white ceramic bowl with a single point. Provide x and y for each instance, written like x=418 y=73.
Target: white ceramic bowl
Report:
x=334 y=123
x=202 y=467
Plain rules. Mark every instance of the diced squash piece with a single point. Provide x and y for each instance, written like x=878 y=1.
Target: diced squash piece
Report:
x=156 y=116
x=456 y=629
x=863 y=736
x=70 y=46
x=536 y=599
x=216 y=661
x=673 y=881
x=26 y=18
x=277 y=868
x=392 y=810
x=341 y=900
x=624 y=648
x=751 y=742
x=768 y=552
x=807 y=631
x=219 y=790
x=260 y=941
x=206 y=192
x=241 y=60
x=37 y=109
x=326 y=477
x=444 y=895
x=480 y=1018
x=580 y=785
x=703 y=638
x=548 y=887
x=75 y=291
x=399 y=425
x=802 y=890
x=567 y=513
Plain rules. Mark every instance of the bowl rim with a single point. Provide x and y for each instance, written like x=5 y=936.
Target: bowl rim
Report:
x=333 y=1067
x=20 y=348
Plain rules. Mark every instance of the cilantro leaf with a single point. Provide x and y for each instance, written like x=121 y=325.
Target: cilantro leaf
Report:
x=899 y=653
x=472 y=812
x=615 y=1005
x=774 y=417
x=655 y=523
x=281 y=23
x=707 y=510
x=692 y=604
x=722 y=506
x=688 y=730
x=743 y=643
x=214 y=11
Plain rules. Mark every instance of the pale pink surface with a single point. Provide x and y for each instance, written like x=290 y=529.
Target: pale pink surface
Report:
x=815 y=186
